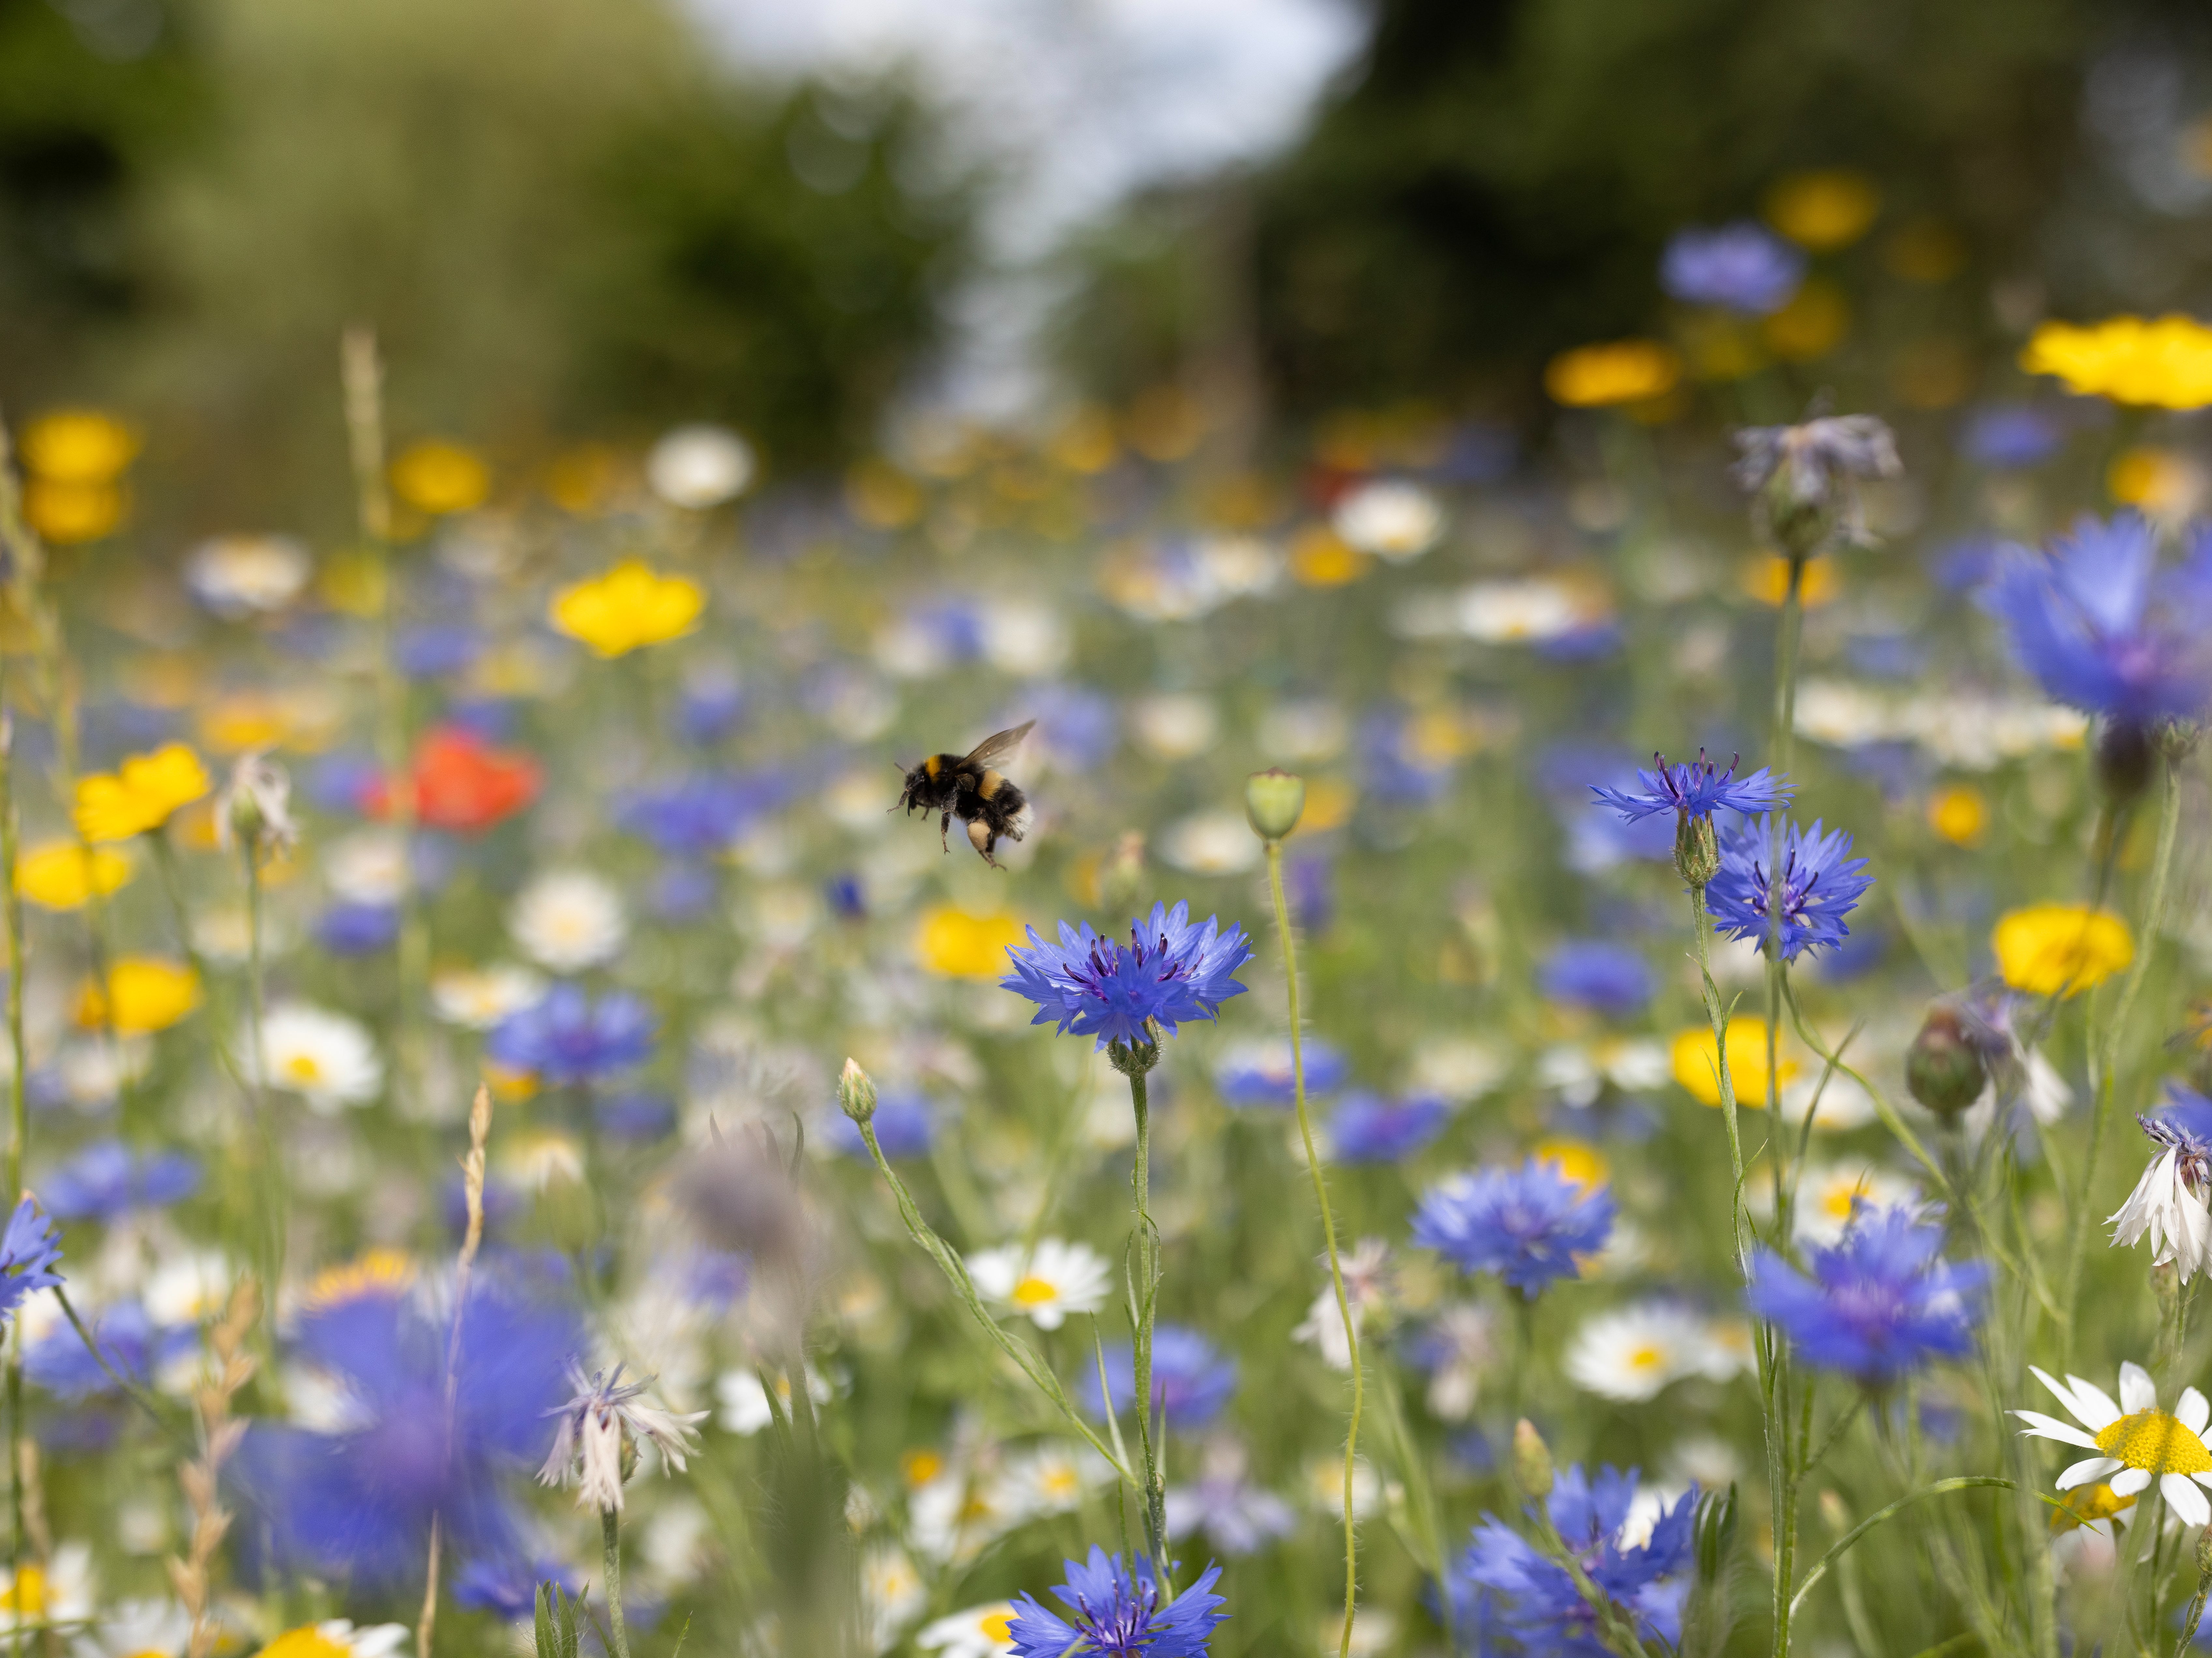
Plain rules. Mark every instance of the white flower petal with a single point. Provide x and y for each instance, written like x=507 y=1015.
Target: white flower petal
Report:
x=2137 y=1391
x=2092 y=1406
x=2043 y=1427
x=2088 y=1468
x=2192 y=1410
x=2129 y=1481
x=2182 y=1496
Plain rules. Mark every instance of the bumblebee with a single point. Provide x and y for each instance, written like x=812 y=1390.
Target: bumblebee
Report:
x=964 y=786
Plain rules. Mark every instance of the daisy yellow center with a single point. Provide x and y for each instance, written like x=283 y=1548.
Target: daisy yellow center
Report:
x=305 y=1641
x=920 y=1467
x=1647 y=1357
x=304 y=1068
x=1035 y=1292
x=2156 y=1442
x=1060 y=1482
x=28 y=1595
x=998 y=1625
x=2086 y=1504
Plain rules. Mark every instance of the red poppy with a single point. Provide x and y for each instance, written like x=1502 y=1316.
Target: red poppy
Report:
x=462 y=782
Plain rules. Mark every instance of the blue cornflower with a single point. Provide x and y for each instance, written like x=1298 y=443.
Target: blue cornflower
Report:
x=507 y=1585
x=436 y=650
x=1526 y=1224
x=1191 y=1381
x=904 y=1122
x=2090 y=623
x=2010 y=436
x=1880 y=1302
x=565 y=1038
x=1589 y=973
x=1697 y=789
x=1259 y=1073
x=1820 y=883
x=636 y=1118
x=1116 y=1612
x=682 y=892
x=1544 y=1610
x=350 y=929
x=28 y=1249
x=131 y=1344
x=700 y=814
x=712 y=706
x=1170 y=971
x=106 y=1178
x=1368 y=1128
x=1738 y=267
x=360 y=1501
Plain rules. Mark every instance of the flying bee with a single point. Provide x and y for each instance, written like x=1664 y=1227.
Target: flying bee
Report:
x=964 y=786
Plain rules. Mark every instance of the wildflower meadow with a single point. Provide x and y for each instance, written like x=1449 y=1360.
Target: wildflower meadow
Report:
x=1590 y=1037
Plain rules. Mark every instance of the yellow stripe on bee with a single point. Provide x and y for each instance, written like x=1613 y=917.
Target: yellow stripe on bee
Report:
x=989 y=786
x=932 y=763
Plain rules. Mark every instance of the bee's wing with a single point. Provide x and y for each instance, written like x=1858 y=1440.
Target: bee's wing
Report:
x=996 y=748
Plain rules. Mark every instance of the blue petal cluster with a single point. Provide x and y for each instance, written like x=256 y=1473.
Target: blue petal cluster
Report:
x=359 y=1501
x=1526 y=1224
x=133 y=1345
x=1260 y=1073
x=1116 y=1611
x=565 y=1038
x=106 y=1178
x=1191 y=1378
x=701 y=814
x=1590 y=972
x=1696 y=790
x=2098 y=630
x=1366 y=1128
x=1543 y=1609
x=1170 y=971
x=905 y=1123
x=28 y=1249
x=1820 y=882
x=1738 y=267
x=1880 y=1302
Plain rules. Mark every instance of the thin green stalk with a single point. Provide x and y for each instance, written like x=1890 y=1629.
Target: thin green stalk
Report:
x=1821 y=1567
x=19 y=1128
x=1144 y=1312
x=611 y=1540
x=257 y=994
x=1328 y=1237
x=2153 y=917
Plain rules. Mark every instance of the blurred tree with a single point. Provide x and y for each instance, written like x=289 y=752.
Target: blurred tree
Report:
x=561 y=216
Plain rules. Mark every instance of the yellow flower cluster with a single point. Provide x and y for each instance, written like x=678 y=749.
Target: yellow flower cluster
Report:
x=1616 y=372
x=2164 y=364
x=60 y=874
x=629 y=606
x=143 y=994
x=74 y=460
x=957 y=945
x=2049 y=948
x=1697 y=1062
x=140 y=794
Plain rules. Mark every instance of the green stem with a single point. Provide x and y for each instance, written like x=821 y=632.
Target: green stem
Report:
x=611 y=1540
x=1328 y=1237
x=1149 y=1445
x=1821 y=1568
x=2154 y=916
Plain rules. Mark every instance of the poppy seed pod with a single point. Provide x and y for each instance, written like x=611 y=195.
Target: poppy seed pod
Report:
x=1273 y=802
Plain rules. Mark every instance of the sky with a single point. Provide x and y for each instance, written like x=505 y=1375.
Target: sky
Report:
x=1071 y=106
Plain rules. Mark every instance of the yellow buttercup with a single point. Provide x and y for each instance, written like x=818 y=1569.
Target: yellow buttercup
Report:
x=629 y=606
x=140 y=794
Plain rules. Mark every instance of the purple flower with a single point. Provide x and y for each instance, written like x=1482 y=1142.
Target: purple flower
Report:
x=106 y=1178
x=904 y=1122
x=1368 y=1128
x=349 y=928
x=1239 y=1516
x=2011 y=437
x=507 y=1585
x=359 y=1500
x=565 y=1038
x=699 y=815
x=1170 y=971
x=129 y=1341
x=28 y=1249
x=1590 y=972
x=1879 y=1303
x=1697 y=789
x=1544 y=1610
x=1526 y=1224
x=1191 y=1379
x=2092 y=625
x=1739 y=267
x=1260 y=1073
x=1117 y=1612
x=2183 y=1125
x=1820 y=882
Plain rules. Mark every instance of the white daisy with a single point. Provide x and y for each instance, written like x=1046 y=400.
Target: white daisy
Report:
x=235 y=574
x=1046 y=1285
x=476 y=998
x=366 y=866
x=1828 y=1198
x=892 y=1594
x=189 y=1287
x=327 y=1057
x=699 y=466
x=2135 y=1442
x=982 y=1631
x=339 y=1638
x=136 y=1629
x=1635 y=1352
x=1053 y=1477
x=60 y=1593
x=567 y=920
x=1390 y=518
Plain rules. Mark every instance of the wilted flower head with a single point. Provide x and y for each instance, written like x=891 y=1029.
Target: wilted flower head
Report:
x=1171 y=971
x=1806 y=478
x=2168 y=1204
x=589 y=1433
x=255 y=807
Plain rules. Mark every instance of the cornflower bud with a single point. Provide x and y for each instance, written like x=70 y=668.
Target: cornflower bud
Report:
x=1943 y=1066
x=1532 y=1459
x=856 y=1093
x=1135 y=1058
x=1274 y=800
x=1696 y=850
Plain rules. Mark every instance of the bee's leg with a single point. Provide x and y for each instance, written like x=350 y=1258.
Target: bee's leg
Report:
x=983 y=837
x=944 y=827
